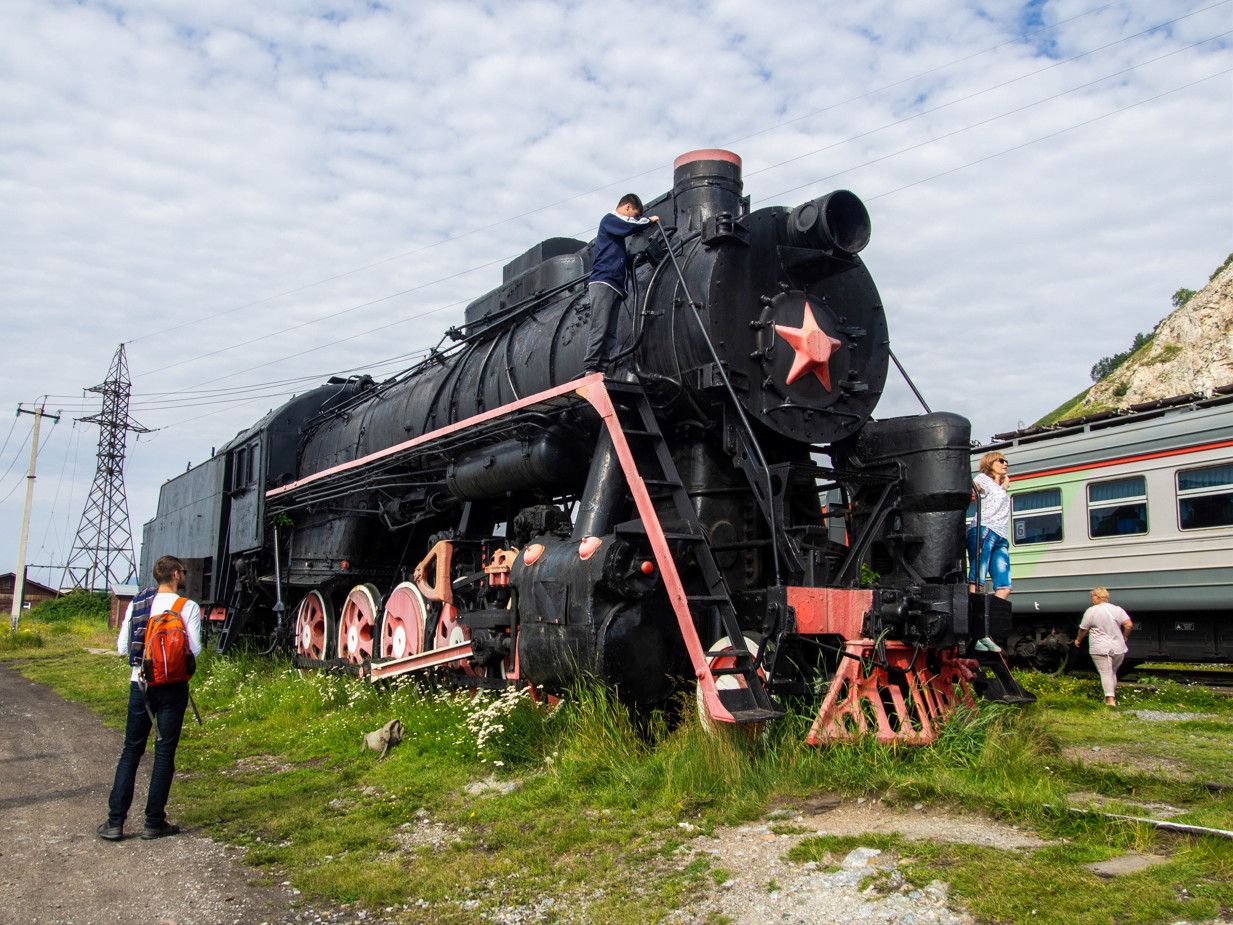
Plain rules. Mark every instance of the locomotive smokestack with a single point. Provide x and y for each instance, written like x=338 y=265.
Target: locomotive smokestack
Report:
x=704 y=184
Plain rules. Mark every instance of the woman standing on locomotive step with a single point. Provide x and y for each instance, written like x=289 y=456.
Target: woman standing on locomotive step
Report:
x=989 y=554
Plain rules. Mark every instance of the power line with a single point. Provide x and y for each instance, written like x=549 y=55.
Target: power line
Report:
x=243 y=400
x=16 y=456
x=42 y=443
x=982 y=122
x=7 y=436
x=1007 y=83
x=867 y=163
x=1069 y=128
x=51 y=514
x=242 y=395
x=464 y=272
x=637 y=176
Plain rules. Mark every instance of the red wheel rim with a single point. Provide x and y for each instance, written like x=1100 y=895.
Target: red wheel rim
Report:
x=402 y=625
x=357 y=626
x=311 y=620
x=452 y=632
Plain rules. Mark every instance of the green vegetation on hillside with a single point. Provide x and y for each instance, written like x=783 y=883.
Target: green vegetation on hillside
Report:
x=492 y=807
x=1107 y=366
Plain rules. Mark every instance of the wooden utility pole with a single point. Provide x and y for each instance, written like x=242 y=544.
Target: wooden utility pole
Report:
x=19 y=575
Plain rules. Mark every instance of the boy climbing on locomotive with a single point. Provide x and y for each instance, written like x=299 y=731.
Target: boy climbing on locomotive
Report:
x=606 y=284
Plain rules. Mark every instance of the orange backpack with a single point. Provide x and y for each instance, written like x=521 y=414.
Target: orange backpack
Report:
x=167 y=657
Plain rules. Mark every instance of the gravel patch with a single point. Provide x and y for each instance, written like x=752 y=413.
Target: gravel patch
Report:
x=1085 y=799
x=1160 y=716
x=1124 y=756
x=919 y=822
x=765 y=887
x=425 y=832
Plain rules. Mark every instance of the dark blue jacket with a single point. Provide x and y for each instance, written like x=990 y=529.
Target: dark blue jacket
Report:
x=608 y=263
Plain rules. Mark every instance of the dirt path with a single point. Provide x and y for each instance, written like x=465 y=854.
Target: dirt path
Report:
x=56 y=766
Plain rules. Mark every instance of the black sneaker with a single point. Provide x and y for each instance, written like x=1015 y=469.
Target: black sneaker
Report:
x=162 y=830
x=110 y=832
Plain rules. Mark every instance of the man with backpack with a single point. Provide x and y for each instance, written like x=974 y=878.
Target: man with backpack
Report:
x=161 y=634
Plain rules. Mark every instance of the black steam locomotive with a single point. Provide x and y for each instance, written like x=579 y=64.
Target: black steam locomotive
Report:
x=719 y=510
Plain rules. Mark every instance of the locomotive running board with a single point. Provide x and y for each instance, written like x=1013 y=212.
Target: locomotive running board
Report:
x=433 y=658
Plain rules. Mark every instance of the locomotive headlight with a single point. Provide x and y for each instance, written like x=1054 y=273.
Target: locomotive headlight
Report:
x=836 y=221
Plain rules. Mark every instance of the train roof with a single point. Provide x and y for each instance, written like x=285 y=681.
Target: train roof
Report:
x=1170 y=423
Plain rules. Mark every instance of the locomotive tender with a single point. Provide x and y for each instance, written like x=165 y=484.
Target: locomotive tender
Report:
x=495 y=515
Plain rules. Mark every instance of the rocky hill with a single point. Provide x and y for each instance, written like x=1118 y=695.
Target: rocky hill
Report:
x=1191 y=352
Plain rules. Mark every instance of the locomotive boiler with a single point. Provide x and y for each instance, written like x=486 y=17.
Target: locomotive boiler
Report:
x=720 y=510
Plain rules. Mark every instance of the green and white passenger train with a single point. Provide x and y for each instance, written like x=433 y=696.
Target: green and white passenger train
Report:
x=1140 y=502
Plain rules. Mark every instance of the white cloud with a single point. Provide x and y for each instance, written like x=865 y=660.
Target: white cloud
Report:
x=168 y=161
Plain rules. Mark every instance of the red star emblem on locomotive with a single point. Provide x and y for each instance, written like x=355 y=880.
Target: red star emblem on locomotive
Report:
x=813 y=348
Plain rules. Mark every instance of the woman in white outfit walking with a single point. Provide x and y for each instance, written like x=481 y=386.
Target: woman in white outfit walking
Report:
x=1109 y=626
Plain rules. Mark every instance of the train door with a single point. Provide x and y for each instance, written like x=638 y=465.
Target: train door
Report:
x=244 y=496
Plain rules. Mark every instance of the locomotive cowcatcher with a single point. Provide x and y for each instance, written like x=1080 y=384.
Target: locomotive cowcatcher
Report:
x=720 y=510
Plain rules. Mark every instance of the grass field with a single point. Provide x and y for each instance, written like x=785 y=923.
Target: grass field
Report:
x=575 y=815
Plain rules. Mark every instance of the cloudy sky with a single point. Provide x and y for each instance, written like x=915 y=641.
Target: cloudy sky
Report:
x=254 y=196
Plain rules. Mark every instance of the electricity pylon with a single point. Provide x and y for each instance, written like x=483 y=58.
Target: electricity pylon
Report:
x=102 y=553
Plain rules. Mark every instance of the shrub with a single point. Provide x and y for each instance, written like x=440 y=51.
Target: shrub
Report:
x=92 y=606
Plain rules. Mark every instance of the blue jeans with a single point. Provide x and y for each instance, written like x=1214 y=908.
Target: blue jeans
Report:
x=992 y=556
x=168 y=703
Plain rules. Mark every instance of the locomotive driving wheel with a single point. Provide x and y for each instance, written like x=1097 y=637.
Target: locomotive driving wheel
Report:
x=450 y=631
x=314 y=627
x=402 y=623
x=357 y=626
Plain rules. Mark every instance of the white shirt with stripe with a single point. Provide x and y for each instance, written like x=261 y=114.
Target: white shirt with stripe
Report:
x=163 y=601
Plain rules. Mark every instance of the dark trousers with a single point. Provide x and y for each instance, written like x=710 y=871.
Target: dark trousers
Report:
x=605 y=318
x=168 y=703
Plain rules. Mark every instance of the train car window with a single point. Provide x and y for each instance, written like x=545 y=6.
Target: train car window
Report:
x=1117 y=507
x=251 y=474
x=239 y=468
x=1205 y=497
x=1037 y=516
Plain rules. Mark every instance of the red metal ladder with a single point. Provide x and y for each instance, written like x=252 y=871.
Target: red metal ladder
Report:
x=697 y=598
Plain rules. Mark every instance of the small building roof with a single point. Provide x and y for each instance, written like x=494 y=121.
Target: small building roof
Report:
x=30 y=583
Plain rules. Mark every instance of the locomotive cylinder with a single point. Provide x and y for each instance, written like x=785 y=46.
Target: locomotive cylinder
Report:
x=514 y=465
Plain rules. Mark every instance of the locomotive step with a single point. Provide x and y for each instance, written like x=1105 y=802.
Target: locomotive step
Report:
x=756 y=715
x=749 y=704
x=707 y=598
x=662 y=483
x=735 y=669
